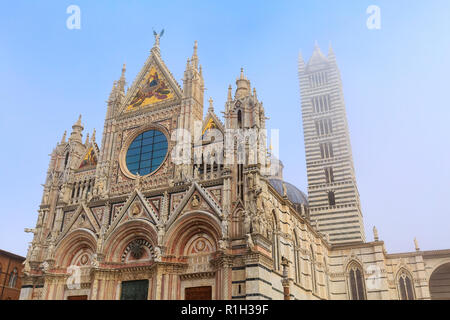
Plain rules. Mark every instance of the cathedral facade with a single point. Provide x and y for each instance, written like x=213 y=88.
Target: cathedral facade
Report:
x=176 y=205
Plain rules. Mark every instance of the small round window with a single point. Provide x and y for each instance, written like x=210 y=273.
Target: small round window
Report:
x=147 y=152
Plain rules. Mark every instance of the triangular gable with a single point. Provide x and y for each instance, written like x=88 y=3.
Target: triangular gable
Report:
x=83 y=218
x=90 y=158
x=135 y=208
x=189 y=197
x=317 y=58
x=212 y=122
x=153 y=85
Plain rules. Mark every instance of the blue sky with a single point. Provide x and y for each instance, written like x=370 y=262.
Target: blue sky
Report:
x=395 y=85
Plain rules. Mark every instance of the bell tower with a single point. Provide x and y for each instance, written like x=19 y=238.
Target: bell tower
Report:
x=333 y=194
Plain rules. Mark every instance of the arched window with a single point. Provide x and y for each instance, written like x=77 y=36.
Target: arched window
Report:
x=312 y=262
x=13 y=278
x=405 y=286
x=239 y=119
x=356 y=282
x=66 y=160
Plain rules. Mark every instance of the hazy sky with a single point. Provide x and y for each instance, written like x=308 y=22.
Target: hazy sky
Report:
x=395 y=81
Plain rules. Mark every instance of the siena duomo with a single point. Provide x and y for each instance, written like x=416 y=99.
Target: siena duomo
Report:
x=123 y=220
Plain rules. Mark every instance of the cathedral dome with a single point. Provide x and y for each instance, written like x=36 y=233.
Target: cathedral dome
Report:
x=293 y=193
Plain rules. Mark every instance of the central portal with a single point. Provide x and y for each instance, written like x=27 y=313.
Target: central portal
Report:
x=198 y=293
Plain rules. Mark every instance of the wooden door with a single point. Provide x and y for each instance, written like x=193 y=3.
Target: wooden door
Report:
x=198 y=293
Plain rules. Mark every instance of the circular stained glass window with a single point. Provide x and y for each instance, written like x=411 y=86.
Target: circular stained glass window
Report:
x=147 y=152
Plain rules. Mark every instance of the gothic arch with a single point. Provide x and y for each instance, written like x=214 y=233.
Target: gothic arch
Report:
x=117 y=241
x=405 y=284
x=73 y=246
x=237 y=224
x=356 y=281
x=187 y=226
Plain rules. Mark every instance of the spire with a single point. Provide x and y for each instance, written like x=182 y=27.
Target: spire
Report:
x=317 y=56
x=331 y=56
x=330 y=50
x=211 y=105
x=93 y=136
x=77 y=128
x=254 y=93
x=230 y=90
x=87 y=140
x=112 y=95
x=122 y=82
x=301 y=62
x=195 y=56
x=243 y=86
x=78 y=123
x=188 y=64
x=63 y=140
x=316 y=45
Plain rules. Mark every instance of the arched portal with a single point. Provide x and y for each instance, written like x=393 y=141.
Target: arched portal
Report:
x=440 y=283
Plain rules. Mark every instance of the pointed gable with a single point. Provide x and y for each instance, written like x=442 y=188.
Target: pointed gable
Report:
x=194 y=199
x=82 y=218
x=154 y=85
x=317 y=58
x=135 y=208
x=90 y=159
x=211 y=122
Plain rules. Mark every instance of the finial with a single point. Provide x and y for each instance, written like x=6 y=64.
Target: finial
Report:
x=78 y=123
x=330 y=50
x=254 y=92
x=194 y=55
x=375 y=234
x=316 y=45
x=230 y=90
x=121 y=83
x=93 y=136
x=63 y=140
x=87 y=139
x=416 y=244
x=195 y=48
x=201 y=71
x=300 y=58
x=211 y=105
x=242 y=73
